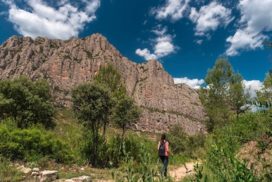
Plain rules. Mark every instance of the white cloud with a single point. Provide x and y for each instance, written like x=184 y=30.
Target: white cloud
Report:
x=210 y=17
x=199 y=42
x=173 y=9
x=193 y=83
x=244 y=39
x=163 y=45
x=256 y=19
x=145 y=53
x=41 y=19
x=251 y=87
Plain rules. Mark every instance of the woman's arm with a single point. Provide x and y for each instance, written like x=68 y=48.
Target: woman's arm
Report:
x=167 y=148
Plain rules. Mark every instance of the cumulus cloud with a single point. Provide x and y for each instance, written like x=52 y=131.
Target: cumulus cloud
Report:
x=62 y=21
x=193 y=83
x=162 y=46
x=172 y=9
x=210 y=17
x=256 y=19
x=244 y=39
x=145 y=53
x=251 y=87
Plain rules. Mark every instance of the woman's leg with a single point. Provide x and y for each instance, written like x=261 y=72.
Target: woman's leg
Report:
x=163 y=168
x=165 y=164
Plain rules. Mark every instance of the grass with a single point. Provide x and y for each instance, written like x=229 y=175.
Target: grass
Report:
x=69 y=130
x=178 y=159
x=8 y=172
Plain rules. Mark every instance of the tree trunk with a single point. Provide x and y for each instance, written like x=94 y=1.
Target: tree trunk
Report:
x=95 y=143
x=104 y=130
x=123 y=132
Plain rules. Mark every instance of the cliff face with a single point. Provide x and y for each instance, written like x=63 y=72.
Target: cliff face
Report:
x=66 y=64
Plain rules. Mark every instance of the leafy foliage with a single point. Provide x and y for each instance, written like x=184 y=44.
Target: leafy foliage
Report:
x=141 y=171
x=26 y=101
x=181 y=143
x=92 y=105
x=110 y=78
x=31 y=145
x=225 y=94
x=124 y=112
x=223 y=145
x=237 y=96
x=129 y=148
x=265 y=95
x=100 y=157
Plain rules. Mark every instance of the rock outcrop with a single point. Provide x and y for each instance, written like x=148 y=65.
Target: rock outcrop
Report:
x=66 y=64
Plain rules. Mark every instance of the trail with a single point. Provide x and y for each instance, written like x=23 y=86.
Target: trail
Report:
x=181 y=172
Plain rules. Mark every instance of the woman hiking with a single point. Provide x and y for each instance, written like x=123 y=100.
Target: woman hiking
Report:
x=163 y=150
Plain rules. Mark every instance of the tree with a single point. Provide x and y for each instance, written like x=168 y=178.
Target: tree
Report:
x=265 y=95
x=125 y=112
x=27 y=102
x=224 y=93
x=237 y=96
x=92 y=105
x=109 y=77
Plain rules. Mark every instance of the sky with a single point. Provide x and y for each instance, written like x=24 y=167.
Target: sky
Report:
x=186 y=36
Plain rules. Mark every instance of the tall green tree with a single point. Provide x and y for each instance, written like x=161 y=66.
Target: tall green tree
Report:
x=237 y=95
x=265 y=95
x=125 y=112
x=27 y=102
x=92 y=105
x=110 y=78
x=223 y=95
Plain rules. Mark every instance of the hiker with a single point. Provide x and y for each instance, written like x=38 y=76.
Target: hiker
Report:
x=163 y=150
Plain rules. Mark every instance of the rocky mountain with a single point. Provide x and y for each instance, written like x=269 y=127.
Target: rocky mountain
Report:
x=66 y=64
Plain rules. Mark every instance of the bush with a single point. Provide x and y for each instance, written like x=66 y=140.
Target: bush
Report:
x=223 y=145
x=27 y=102
x=141 y=171
x=124 y=149
x=181 y=143
x=117 y=150
x=100 y=159
x=31 y=145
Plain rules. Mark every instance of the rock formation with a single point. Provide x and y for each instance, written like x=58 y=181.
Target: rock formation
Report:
x=66 y=64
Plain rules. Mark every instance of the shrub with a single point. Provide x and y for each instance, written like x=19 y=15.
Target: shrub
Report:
x=27 y=102
x=124 y=149
x=225 y=167
x=100 y=159
x=223 y=145
x=181 y=143
x=31 y=145
x=141 y=171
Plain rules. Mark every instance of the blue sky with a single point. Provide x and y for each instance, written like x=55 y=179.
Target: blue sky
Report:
x=186 y=36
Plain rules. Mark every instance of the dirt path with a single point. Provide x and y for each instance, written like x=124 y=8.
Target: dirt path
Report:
x=179 y=173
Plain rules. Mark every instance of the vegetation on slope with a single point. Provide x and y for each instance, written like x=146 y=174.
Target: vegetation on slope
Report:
x=95 y=132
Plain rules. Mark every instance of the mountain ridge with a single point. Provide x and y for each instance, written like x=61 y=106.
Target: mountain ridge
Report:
x=68 y=63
